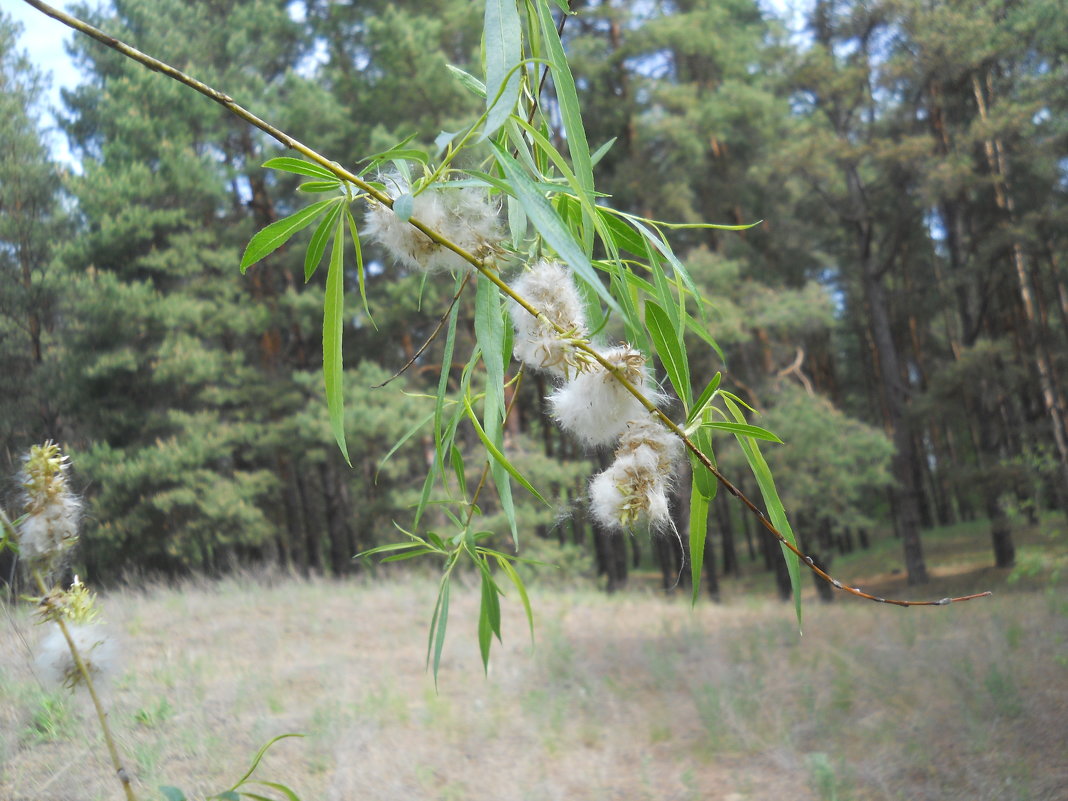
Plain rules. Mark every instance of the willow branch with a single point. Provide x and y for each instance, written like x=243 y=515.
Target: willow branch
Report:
x=102 y=715
x=485 y=267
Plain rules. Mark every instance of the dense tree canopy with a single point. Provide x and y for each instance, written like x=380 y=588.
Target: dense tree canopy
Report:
x=900 y=314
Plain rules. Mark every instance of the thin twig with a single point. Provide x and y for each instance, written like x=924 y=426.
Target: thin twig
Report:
x=113 y=751
x=429 y=339
x=486 y=268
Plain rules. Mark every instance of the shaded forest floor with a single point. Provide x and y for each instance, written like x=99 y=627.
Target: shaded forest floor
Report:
x=633 y=696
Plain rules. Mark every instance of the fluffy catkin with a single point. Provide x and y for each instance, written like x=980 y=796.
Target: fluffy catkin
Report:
x=53 y=512
x=631 y=489
x=463 y=215
x=636 y=485
x=595 y=407
x=550 y=287
x=96 y=647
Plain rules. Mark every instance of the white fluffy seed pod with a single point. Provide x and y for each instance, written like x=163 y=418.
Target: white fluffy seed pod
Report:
x=633 y=488
x=463 y=215
x=96 y=647
x=595 y=407
x=647 y=432
x=550 y=287
x=51 y=528
x=52 y=510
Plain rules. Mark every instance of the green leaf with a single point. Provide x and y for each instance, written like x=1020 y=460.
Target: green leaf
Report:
x=281 y=788
x=489 y=616
x=458 y=469
x=359 y=264
x=469 y=81
x=704 y=398
x=317 y=246
x=437 y=626
x=300 y=167
x=602 y=151
x=503 y=52
x=171 y=793
x=567 y=99
x=701 y=331
x=671 y=350
x=743 y=428
x=548 y=224
x=397 y=445
x=776 y=511
x=319 y=186
x=388 y=548
x=705 y=481
x=489 y=333
x=259 y=757
x=623 y=236
x=663 y=292
x=400 y=557
x=665 y=250
x=510 y=571
x=278 y=233
x=698 y=533
x=499 y=456
x=333 y=331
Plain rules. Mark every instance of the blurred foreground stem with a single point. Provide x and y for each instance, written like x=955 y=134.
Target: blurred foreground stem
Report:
x=102 y=716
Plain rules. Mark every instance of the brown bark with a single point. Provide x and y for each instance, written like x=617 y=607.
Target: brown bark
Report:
x=994 y=151
x=904 y=494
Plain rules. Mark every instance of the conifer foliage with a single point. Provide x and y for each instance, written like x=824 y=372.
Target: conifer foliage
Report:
x=192 y=397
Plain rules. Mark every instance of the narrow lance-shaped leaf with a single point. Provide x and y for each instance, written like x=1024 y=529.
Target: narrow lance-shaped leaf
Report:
x=669 y=346
x=705 y=397
x=503 y=52
x=360 y=272
x=277 y=787
x=489 y=333
x=698 y=533
x=333 y=329
x=549 y=225
x=499 y=456
x=300 y=167
x=510 y=571
x=489 y=615
x=567 y=98
x=744 y=428
x=705 y=481
x=438 y=624
x=317 y=246
x=276 y=234
x=319 y=186
x=776 y=511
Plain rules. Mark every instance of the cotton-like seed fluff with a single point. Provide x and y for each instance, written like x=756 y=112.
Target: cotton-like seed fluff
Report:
x=631 y=489
x=96 y=647
x=595 y=407
x=550 y=287
x=463 y=215
x=52 y=510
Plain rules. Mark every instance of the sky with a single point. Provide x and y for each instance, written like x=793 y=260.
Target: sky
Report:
x=43 y=39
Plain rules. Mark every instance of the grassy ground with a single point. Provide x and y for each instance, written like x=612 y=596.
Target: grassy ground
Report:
x=634 y=696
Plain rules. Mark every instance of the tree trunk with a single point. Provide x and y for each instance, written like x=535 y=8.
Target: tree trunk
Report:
x=1034 y=341
x=904 y=494
x=338 y=531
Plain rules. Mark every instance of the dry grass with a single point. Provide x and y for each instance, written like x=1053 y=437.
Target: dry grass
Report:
x=626 y=697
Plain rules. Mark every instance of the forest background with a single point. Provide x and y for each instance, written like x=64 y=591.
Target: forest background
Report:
x=900 y=315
